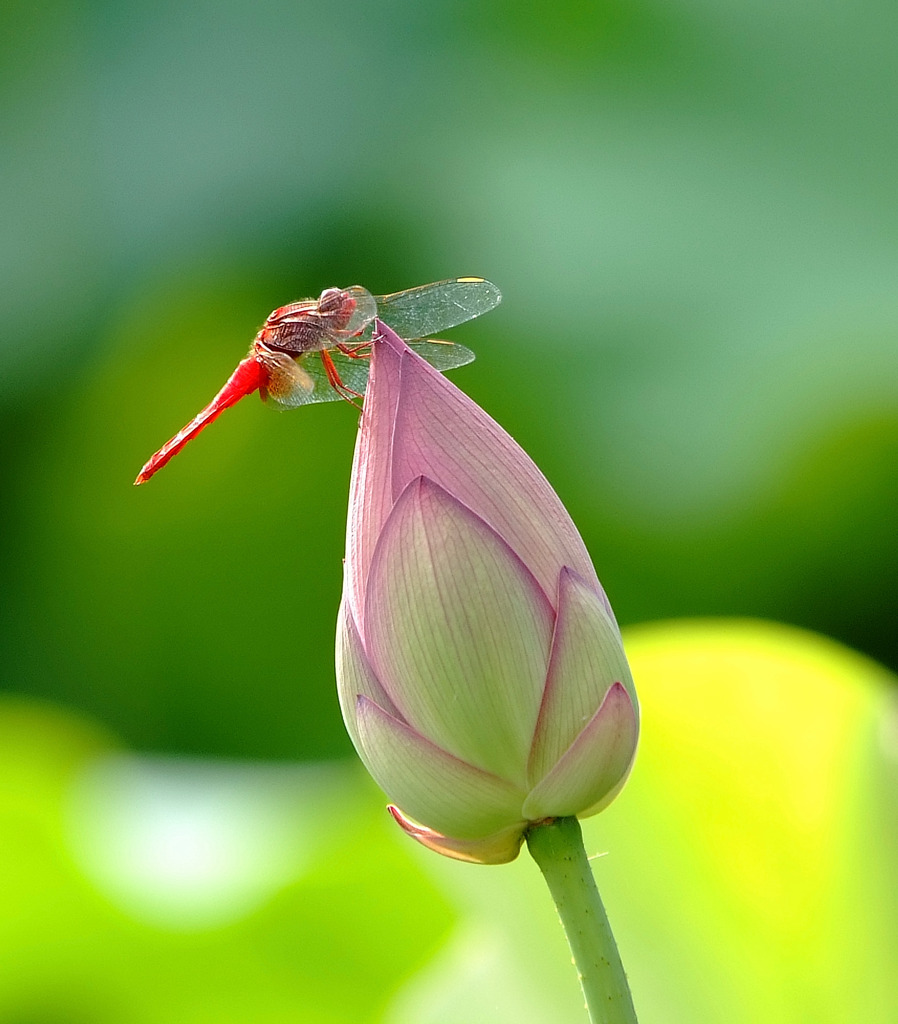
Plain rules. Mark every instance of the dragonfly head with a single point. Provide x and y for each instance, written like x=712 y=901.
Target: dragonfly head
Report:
x=337 y=303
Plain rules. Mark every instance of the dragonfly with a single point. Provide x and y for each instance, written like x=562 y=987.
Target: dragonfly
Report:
x=318 y=350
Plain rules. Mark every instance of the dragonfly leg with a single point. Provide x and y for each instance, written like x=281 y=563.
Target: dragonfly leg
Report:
x=356 y=351
x=333 y=378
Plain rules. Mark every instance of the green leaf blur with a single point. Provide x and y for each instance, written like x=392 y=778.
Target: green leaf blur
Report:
x=748 y=867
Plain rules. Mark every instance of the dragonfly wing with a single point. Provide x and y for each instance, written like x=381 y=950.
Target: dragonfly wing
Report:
x=305 y=381
x=415 y=314
x=443 y=355
x=289 y=384
x=433 y=308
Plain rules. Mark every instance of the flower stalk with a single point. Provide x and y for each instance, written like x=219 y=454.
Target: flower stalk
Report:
x=557 y=847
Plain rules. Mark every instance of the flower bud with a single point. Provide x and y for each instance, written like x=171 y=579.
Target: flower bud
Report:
x=480 y=669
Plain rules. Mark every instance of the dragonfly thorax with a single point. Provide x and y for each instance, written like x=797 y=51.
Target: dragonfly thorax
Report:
x=296 y=337
x=310 y=325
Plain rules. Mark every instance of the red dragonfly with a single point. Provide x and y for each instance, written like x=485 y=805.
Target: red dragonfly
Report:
x=316 y=350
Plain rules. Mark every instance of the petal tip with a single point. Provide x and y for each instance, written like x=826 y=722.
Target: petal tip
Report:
x=385 y=334
x=594 y=768
x=501 y=848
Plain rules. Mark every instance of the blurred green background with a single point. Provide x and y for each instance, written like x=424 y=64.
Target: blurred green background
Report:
x=690 y=209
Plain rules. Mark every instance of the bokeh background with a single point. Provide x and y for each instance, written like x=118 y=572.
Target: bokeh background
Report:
x=690 y=209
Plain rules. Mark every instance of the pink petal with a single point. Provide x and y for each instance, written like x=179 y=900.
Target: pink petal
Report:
x=595 y=765
x=587 y=658
x=442 y=434
x=370 y=495
x=439 y=789
x=458 y=631
x=498 y=849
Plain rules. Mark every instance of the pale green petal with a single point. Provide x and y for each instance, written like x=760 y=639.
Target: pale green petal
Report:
x=608 y=798
x=437 y=789
x=587 y=658
x=458 y=631
x=497 y=849
x=355 y=676
x=595 y=764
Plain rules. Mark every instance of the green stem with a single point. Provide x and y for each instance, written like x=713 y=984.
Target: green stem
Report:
x=557 y=847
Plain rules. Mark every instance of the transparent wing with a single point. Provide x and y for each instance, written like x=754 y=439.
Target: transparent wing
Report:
x=315 y=386
x=311 y=385
x=415 y=314
x=290 y=384
x=443 y=355
x=433 y=308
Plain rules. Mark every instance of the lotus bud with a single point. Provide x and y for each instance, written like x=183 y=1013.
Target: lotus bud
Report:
x=480 y=669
